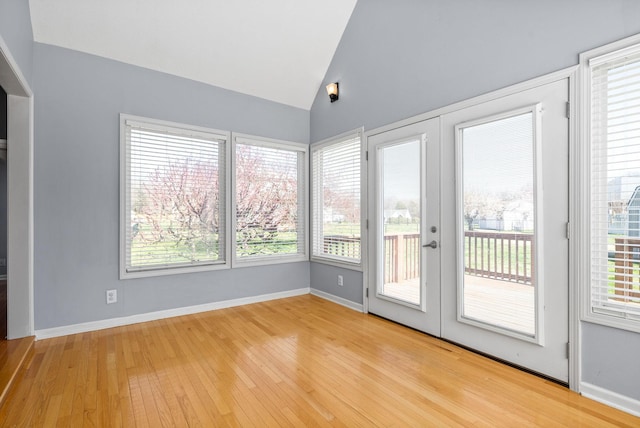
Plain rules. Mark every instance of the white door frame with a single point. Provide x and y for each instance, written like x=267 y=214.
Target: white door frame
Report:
x=20 y=305
x=569 y=73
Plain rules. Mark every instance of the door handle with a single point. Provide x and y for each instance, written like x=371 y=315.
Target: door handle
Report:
x=432 y=244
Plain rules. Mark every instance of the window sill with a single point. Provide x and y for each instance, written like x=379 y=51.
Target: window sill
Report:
x=268 y=260
x=337 y=263
x=124 y=275
x=611 y=321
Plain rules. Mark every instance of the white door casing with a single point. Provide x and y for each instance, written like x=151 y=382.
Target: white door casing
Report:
x=20 y=295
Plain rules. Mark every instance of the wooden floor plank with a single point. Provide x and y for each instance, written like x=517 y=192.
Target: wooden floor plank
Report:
x=13 y=354
x=301 y=361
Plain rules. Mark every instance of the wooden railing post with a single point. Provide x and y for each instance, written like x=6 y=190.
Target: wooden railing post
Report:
x=400 y=271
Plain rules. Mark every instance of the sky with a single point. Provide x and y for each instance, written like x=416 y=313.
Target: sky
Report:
x=497 y=157
x=401 y=165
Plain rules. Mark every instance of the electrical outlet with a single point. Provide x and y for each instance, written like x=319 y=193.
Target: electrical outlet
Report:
x=112 y=296
x=340 y=280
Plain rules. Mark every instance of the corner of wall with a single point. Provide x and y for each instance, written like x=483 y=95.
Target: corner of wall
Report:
x=17 y=31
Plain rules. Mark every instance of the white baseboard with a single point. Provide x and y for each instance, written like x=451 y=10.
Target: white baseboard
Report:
x=610 y=398
x=339 y=300
x=169 y=313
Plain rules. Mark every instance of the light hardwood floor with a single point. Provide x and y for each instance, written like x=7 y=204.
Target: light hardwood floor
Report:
x=13 y=354
x=301 y=361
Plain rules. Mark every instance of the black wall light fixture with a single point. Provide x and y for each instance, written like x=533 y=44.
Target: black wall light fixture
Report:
x=334 y=91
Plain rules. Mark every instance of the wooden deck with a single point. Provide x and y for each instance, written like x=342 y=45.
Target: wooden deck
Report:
x=301 y=361
x=502 y=303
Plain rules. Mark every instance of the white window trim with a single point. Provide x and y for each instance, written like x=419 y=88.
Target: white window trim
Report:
x=357 y=266
x=583 y=173
x=238 y=138
x=223 y=264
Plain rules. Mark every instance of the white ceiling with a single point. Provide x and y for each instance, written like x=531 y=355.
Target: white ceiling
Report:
x=274 y=49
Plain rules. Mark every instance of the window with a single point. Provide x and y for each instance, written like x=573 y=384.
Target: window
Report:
x=336 y=199
x=270 y=199
x=613 y=85
x=173 y=197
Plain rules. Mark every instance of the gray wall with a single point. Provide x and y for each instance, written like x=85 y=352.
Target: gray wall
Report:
x=325 y=278
x=402 y=58
x=610 y=359
x=78 y=98
x=15 y=29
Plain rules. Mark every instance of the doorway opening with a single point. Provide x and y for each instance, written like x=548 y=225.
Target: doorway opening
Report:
x=18 y=103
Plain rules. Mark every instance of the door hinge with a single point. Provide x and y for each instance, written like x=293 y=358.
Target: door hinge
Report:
x=366 y=155
x=568 y=349
x=367 y=224
x=568 y=231
x=568 y=111
x=367 y=292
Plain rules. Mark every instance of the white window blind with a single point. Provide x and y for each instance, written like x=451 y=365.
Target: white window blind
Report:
x=174 y=197
x=270 y=199
x=336 y=199
x=615 y=184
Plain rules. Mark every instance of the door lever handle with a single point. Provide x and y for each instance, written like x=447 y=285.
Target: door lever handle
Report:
x=432 y=244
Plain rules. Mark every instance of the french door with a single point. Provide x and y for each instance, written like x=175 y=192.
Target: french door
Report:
x=505 y=270
x=491 y=184
x=404 y=221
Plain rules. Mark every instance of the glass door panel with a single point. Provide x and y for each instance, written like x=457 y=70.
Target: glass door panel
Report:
x=497 y=196
x=400 y=196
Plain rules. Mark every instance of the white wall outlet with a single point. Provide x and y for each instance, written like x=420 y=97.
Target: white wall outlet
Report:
x=340 y=280
x=112 y=296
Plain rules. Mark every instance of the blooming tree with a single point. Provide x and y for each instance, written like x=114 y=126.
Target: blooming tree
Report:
x=266 y=200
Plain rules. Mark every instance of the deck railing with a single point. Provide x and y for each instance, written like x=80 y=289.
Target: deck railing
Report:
x=342 y=246
x=500 y=255
x=402 y=257
x=627 y=250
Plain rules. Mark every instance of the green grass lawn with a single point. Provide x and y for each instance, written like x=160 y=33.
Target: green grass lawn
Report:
x=353 y=229
x=499 y=255
x=171 y=250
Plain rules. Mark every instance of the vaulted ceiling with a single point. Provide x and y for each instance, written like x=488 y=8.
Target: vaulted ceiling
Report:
x=277 y=49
